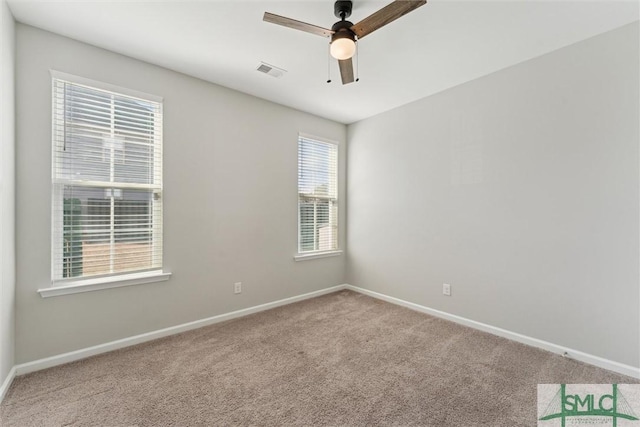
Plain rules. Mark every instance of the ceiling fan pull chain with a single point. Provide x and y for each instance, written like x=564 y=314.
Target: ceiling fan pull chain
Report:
x=329 y=63
x=357 y=62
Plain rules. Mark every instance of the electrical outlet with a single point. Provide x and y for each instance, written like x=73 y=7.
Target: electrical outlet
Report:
x=446 y=289
x=237 y=288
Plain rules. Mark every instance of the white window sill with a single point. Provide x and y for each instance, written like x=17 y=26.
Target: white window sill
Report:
x=87 y=285
x=314 y=255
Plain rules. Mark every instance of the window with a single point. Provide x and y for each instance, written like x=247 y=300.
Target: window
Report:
x=107 y=181
x=317 y=195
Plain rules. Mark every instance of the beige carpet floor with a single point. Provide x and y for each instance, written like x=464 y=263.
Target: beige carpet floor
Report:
x=342 y=359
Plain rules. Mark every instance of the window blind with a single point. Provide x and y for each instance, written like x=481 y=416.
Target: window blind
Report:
x=317 y=195
x=107 y=183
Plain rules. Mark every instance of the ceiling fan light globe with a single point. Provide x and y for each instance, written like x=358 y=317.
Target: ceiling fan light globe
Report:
x=343 y=48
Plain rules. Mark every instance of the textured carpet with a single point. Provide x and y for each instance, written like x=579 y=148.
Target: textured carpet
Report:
x=339 y=359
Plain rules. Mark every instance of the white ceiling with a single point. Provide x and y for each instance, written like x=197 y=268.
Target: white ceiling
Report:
x=439 y=45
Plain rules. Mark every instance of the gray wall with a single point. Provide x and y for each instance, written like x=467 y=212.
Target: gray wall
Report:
x=230 y=175
x=520 y=189
x=7 y=191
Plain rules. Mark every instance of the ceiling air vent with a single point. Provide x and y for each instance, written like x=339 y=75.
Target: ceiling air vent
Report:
x=271 y=70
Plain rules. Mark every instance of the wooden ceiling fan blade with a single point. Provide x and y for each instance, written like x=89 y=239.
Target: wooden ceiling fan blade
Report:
x=346 y=70
x=387 y=14
x=296 y=25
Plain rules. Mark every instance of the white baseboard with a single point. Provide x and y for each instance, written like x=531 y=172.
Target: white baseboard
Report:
x=72 y=356
x=7 y=383
x=514 y=336
x=61 y=359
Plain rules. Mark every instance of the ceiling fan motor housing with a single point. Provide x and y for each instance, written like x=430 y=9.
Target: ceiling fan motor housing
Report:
x=342 y=9
x=342 y=30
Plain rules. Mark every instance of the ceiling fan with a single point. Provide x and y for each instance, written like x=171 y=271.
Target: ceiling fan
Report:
x=344 y=34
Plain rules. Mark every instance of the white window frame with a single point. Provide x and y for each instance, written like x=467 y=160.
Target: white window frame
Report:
x=308 y=255
x=61 y=286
